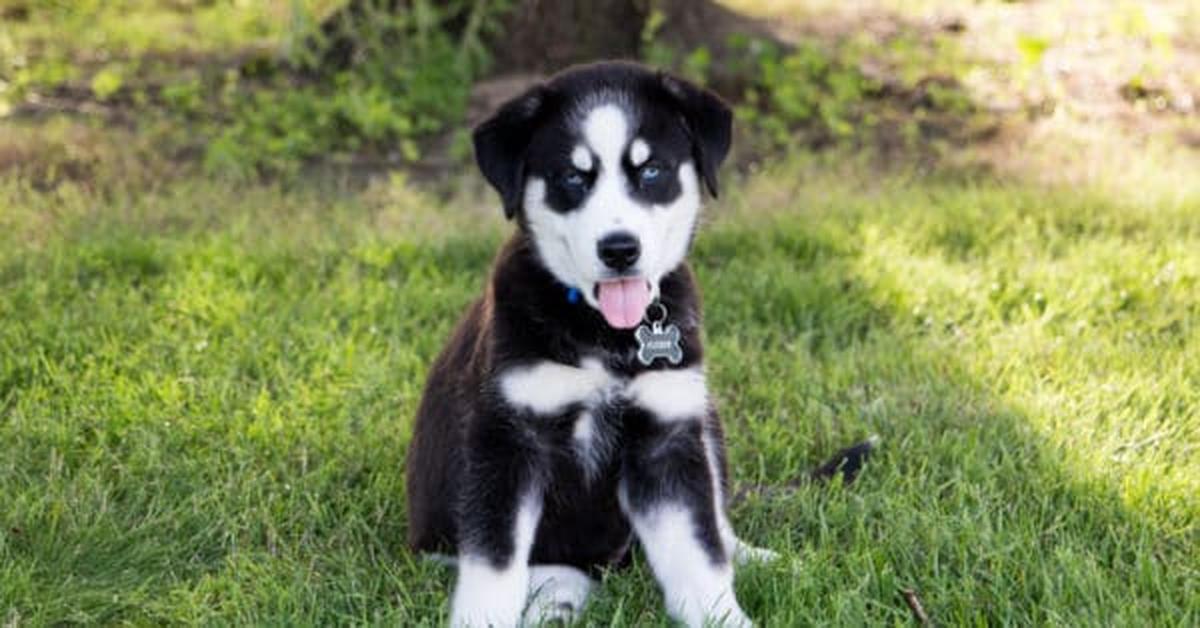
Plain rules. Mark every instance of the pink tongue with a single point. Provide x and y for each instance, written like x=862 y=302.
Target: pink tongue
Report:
x=624 y=301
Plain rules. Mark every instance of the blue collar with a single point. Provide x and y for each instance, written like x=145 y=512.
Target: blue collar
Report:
x=573 y=295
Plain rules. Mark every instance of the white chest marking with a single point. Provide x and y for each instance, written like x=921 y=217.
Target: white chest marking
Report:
x=671 y=395
x=585 y=429
x=548 y=388
x=593 y=444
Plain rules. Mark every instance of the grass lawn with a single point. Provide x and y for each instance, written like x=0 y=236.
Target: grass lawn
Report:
x=206 y=393
x=207 y=388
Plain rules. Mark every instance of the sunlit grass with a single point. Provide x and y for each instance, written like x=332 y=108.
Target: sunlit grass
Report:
x=81 y=31
x=206 y=393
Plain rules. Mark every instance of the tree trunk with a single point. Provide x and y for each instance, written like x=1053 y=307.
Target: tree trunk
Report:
x=543 y=36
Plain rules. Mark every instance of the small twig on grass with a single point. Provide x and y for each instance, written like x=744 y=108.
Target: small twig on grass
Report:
x=914 y=604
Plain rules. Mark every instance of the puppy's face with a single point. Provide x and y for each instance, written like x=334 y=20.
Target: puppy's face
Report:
x=603 y=168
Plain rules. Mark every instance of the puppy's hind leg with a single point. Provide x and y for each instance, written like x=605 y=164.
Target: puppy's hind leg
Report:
x=557 y=593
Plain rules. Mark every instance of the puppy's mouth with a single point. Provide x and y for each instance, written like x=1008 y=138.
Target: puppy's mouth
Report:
x=623 y=301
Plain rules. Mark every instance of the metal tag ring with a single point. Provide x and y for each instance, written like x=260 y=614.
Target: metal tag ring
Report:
x=661 y=308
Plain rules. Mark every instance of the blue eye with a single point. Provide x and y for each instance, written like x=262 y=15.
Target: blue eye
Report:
x=574 y=179
x=649 y=174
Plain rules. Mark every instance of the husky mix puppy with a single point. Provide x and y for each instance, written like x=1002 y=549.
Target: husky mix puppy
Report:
x=569 y=414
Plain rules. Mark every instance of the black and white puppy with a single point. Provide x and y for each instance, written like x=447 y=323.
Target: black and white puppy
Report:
x=569 y=414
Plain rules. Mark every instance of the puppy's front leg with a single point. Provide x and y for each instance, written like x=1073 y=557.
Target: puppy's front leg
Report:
x=669 y=492
x=499 y=512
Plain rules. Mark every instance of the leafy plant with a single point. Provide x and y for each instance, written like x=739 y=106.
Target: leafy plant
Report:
x=803 y=90
x=107 y=82
x=409 y=79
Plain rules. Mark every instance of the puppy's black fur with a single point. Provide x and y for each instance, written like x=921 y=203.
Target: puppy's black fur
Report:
x=596 y=151
x=472 y=453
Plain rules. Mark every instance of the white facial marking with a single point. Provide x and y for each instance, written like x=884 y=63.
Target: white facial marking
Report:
x=566 y=242
x=547 y=388
x=556 y=593
x=674 y=224
x=606 y=130
x=551 y=234
x=671 y=394
x=697 y=592
x=581 y=158
x=487 y=596
x=639 y=152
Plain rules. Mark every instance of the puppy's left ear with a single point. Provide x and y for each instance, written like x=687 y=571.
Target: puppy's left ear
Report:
x=501 y=141
x=708 y=122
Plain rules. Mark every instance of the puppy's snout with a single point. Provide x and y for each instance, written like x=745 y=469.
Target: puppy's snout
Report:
x=619 y=250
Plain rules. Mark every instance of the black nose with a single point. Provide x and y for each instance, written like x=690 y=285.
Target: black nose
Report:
x=619 y=250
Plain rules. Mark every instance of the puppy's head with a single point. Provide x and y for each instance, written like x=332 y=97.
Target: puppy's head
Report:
x=603 y=165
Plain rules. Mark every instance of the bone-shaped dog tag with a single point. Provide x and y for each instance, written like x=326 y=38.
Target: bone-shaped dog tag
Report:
x=656 y=342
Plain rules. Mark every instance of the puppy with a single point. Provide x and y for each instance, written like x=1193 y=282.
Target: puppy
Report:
x=569 y=414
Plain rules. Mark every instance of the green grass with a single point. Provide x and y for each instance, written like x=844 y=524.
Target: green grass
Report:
x=206 y=390
x=206 y=393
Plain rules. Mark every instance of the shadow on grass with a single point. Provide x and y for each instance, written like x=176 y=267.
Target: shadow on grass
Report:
x=965 y=503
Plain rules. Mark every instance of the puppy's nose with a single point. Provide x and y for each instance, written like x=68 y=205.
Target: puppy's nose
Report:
x=619 y=250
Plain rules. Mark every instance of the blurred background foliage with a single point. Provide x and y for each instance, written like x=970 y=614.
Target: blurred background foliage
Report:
x=269 y=88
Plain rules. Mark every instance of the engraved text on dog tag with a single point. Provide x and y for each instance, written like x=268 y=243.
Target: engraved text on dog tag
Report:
x=656 y=341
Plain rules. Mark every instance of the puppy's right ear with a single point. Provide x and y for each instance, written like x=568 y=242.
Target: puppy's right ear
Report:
x=501 y=141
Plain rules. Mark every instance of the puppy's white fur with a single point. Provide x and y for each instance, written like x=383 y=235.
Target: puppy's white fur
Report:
x=547 y=388
x=566 y=242
x=639 y=152
x=581 y=158
x=671 y=394
x=593 y=446
x=489 y=596
x=697 y=592
x=556 y=593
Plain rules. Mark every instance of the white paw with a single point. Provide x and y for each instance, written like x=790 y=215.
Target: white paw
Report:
x=723 y=613
x=556 y=593
x=485 y=597
x=476 y=616
x=731 y=618
x=468 y=615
